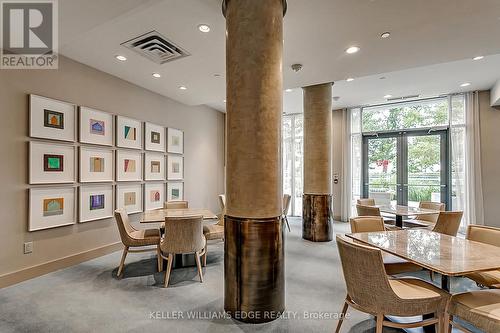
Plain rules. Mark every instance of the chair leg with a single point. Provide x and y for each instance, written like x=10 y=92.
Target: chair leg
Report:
x=439 y=325
x=198 y=264
x=204 y=259
x=169 y=268
x=380 y=323
x=159 y=258
x=287 y=224
x=122 y=262
x=447 y=325
x=342 y=316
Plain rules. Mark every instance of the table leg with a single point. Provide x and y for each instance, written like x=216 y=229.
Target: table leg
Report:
x=399 y=221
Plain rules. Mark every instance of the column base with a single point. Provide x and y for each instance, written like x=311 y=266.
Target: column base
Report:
x=254 y=269
x=317 y=217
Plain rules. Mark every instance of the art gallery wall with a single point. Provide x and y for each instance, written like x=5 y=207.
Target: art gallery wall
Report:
x=82 y=85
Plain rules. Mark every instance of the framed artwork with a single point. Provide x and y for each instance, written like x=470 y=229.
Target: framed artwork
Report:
x=129 y=196
x=154 y=195
x=95 y=202
x=51 y=207
x=154 y=137
x=96 y=127
x=128 y=133
x=175 y=167
x=175 y=191
x=96 y=164
x=175 y=141
x=154 y=166
x=52 y=119
x=128 y=165
x=51 y=163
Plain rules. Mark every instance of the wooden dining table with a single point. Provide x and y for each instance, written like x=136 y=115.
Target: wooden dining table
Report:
x=159 y=215
x=404 y=211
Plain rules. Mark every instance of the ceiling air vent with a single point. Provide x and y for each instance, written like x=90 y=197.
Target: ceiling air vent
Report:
x=156 y=47
x=403 y=98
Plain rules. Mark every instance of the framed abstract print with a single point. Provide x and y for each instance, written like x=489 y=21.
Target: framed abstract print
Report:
x=52 y=119
x=96 y=127
x=128 y=165
x=154 y=166
x=51 y=207
x=95 y=202
x=175 y=144
x=175 y=167
x=175 y=191
x=129 y=197
x=51 y=163
x=128 y=133
x=154 y=195
x=96 y=164
x=154 y=137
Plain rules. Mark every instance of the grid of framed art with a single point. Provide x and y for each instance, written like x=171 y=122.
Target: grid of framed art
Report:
x=85 y=162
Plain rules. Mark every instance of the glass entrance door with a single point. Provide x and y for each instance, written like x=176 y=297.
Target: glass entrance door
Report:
x=406 y=167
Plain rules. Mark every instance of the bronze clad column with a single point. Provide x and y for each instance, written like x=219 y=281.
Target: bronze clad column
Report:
x=317 y=197
x=254 y=263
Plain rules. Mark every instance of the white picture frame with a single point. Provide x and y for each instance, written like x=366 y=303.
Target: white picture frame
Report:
x=175 y=191
x=96 y=165
x=96 y=127
x=153 y=189
x=52 y=119
x=128 y=165
x=175 y=167
x=51 y=163
x=51 y=207
x=129 y=197
x=154 y=137
x=128 y=133
x=96 y=202
x=175 y=141
x=154 y=166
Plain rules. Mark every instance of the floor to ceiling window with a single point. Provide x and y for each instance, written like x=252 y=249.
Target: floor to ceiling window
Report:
x=293 y=129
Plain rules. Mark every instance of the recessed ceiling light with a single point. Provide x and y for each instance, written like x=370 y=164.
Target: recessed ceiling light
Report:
x=352 y=49
x=350 y=79
x=387 y=96
x=182 y=87
x=204 y=28
x=156 y=75
x=478 y=58
x=121 y=58
x=288 y=90
x=465 y=84
x=385 y=35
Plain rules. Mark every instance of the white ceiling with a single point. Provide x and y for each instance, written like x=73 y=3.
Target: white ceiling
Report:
x=428 y=38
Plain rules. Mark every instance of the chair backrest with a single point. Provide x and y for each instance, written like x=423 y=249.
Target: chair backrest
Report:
x=177 y=204
x=222 y=203
x=431 y=205
x=448 y=223
x=183 y=235
x=367 y=210
x=124 y=226
x=483 y=234
x=286 y=203
x=366 y=202
x=364 y=274
x=367 y=224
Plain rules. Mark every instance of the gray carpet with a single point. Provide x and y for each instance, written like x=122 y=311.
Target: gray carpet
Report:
x=89 y=297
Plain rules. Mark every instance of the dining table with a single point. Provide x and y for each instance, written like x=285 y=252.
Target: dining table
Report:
x=448 y=255
x=401 y=211
x=159 y=215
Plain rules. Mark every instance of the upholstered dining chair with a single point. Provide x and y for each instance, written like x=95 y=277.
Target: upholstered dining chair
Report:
x=448 y=223
x=393 y=265
x=481 y=308
x=427 y=219
x=134 y=238
x=371 y=291
x=286 y=207
x=216 y=230
x=177 y=204
x=364 y=210
x=366 y=202
x=491 y=236
x=183 y=235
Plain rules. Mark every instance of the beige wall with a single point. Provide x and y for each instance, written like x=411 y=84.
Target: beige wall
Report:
x=489 y=118
x=82 y=85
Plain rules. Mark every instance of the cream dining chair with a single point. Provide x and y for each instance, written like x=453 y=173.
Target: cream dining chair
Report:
x=183 y=235
x=366 y=202
x=177 y=204
x=132 y=237
x=427 y=219
x=448 y=223
x=286 y=207
x=216 y=230
x=371 y=291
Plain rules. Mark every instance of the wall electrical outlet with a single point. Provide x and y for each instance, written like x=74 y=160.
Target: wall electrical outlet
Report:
x=28 y=247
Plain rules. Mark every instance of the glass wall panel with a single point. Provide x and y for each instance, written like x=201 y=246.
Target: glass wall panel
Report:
x=293 y=129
